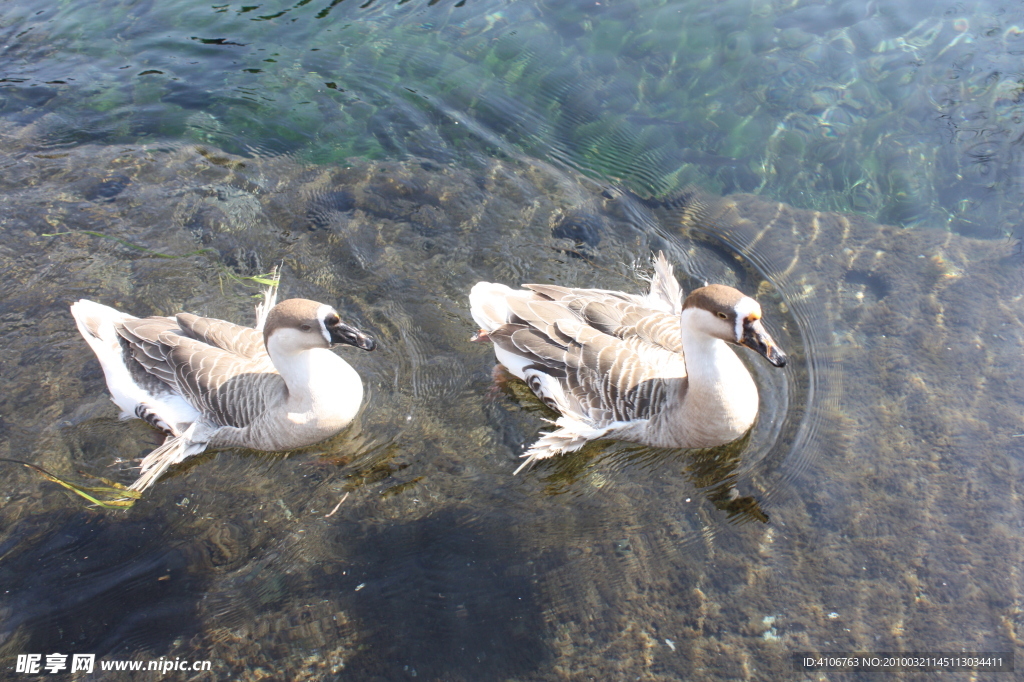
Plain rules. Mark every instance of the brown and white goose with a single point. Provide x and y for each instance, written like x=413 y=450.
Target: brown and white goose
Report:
x=208 y=383
x=653 y=369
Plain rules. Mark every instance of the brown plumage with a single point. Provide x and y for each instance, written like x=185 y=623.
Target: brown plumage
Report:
x=212 y=383
x=653 y=369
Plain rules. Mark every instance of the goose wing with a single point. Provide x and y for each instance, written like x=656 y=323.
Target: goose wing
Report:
x=585 y=368
x=141 y=342
x=242 y=341
x=654 y=318
x=227 y=388
x=620 y=315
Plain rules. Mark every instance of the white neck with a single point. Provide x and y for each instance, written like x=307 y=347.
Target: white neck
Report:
x=321 y=386
x=721 y=399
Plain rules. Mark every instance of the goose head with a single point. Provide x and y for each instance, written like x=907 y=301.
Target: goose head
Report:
x=725 y=313
x=298 y=325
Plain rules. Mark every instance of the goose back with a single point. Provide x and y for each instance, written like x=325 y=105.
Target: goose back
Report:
x=606 y=356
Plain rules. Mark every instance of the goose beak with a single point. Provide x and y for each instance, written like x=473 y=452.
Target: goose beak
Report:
x=343 y=333
x=757 y=338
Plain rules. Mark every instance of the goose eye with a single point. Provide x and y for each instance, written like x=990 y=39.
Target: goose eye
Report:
x=722 y=316
x=305 y=328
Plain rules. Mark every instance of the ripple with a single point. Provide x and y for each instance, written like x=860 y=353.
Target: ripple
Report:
x=805 y=409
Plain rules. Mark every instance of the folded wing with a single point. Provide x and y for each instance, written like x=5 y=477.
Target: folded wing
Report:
x=216 y=366
x=605 y=356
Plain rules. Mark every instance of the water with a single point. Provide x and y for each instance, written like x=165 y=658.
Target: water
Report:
x=390 y=155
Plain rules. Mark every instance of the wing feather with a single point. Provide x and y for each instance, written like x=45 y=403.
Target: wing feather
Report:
x=148 y=357
x=539 y=347
x=217 y=367
x=602 y=378
x=606 y=356
x=245 y=342
x=234 y=390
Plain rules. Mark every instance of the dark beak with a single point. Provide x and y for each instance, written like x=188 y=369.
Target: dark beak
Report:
x=342 y=333
x=756 y=337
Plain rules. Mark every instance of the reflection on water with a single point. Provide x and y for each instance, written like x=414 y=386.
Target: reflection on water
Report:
x=391 y=156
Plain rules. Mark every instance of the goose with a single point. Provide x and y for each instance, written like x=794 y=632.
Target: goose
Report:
x=208 y=383
x=655 y=369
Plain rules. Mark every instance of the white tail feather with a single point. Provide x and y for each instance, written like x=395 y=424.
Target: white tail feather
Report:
x=666 y=294
x=172 y=451
x=96 y=323
x=269 y=299
x=98 y=326
x=571 y=435
x=487 y=304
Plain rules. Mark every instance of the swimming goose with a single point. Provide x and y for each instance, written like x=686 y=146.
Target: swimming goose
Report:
x=208 y=383
x=654 y=369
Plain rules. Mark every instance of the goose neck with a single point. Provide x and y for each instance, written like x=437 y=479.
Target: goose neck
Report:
x=721 y=401
x=707 y=357
x=314 y=376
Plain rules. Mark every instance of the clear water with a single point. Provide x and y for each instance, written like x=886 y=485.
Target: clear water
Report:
x=392 y=154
